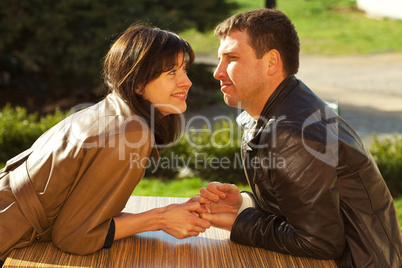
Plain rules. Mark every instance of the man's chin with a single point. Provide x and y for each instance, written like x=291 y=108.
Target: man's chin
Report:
x=230 y=102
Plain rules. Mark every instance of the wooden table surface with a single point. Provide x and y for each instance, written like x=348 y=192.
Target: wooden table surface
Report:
x=158 y=249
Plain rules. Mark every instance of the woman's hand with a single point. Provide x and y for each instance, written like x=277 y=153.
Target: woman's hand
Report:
x=178 y=220
x=182 y=220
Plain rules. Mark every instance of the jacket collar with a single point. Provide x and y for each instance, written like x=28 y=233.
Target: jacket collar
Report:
x=280 y=93
x=247 y=123
x=119 y=104
x=121 y=108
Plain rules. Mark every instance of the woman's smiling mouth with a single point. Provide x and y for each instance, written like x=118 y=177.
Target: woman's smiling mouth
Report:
x=180 y=95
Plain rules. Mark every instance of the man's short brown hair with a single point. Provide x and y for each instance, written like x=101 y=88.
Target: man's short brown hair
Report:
x=267 y=29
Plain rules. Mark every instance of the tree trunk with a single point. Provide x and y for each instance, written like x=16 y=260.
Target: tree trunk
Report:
x=270 y=3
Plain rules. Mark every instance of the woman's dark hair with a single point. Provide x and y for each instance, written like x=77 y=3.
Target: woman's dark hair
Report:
x=267 y=29
x=141 y=54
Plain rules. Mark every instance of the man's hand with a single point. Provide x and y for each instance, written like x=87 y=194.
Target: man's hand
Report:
x=221 y=220
x=222 y=202
x=220 y=198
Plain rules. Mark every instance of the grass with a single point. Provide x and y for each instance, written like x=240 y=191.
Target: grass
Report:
x=174 y=188
x=329 y=27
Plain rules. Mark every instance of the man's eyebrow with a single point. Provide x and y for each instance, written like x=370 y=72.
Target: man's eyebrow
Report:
x=226 y=54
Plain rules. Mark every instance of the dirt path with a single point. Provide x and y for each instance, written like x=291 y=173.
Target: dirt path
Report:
x=368 y=90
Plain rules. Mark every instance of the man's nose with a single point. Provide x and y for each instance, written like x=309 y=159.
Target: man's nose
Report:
x=219 y=72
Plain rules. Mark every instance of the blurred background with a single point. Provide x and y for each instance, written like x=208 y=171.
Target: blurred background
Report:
x=51 y=54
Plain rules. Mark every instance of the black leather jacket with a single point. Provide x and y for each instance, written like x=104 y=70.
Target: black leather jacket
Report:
x=318 y=189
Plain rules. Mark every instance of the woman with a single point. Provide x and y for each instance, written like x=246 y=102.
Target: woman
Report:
x=72 y=184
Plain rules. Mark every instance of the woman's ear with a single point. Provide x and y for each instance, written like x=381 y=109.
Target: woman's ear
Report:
x=274 y=61
x=138 y=91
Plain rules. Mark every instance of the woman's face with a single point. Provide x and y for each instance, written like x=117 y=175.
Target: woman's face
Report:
x=168 y=92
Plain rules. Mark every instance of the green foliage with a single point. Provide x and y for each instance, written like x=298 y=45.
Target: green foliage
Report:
x=172 y=160
x=63 y=42
x=216 y=153
x=398 y=207
x=213 y=154
x=388 y=155
x=201 y=75
x=19 y=130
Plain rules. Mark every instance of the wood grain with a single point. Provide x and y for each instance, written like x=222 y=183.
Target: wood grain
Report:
x=158 y=249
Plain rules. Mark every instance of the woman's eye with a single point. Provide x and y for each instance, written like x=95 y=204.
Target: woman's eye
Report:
x=172 y=72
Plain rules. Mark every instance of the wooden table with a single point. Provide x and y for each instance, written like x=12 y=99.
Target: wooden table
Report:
x=158 y=249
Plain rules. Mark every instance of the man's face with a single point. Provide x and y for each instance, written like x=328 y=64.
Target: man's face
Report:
x=242 y=76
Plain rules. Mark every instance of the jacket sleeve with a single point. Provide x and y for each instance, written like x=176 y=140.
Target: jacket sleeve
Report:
x=106 y=180
x=309 y=222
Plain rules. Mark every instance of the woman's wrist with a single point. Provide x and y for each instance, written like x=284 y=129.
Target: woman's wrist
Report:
x=127 y=224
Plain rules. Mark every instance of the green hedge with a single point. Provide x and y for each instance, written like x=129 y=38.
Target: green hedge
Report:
x=388 y=156
x=19 y=130
x=212 y=154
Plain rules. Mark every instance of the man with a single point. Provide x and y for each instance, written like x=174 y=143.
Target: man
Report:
x=317 y=191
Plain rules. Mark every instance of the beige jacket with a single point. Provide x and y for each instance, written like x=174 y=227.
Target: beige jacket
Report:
x=78 y=175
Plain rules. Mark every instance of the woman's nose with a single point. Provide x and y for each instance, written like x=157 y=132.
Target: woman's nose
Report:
x=186 y=81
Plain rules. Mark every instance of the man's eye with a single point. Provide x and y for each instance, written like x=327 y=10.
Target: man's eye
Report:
x=172 y=72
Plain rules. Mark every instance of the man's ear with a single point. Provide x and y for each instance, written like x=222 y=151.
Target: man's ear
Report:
x=274 y=61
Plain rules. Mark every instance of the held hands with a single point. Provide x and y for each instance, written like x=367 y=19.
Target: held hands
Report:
x=182 y=220
x=222 y=202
